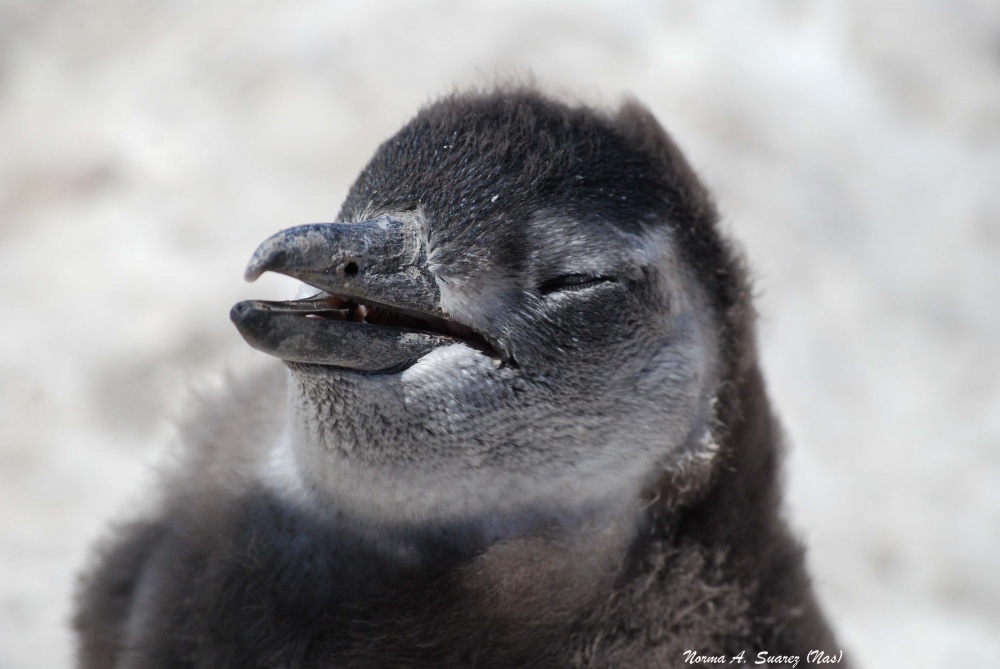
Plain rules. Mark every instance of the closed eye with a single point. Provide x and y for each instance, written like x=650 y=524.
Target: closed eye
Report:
x=572 y=282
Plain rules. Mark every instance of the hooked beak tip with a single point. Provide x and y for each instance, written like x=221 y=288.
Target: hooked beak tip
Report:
x=251 y=273
x=265 y=258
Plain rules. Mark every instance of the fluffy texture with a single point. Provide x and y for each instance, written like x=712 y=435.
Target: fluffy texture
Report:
x=671 y=538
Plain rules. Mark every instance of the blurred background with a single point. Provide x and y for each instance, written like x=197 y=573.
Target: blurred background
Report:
x=853 y=145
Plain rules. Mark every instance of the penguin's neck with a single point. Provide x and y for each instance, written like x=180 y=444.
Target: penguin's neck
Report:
x=405 y=515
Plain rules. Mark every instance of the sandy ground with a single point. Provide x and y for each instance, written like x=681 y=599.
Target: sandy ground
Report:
x=145 y=149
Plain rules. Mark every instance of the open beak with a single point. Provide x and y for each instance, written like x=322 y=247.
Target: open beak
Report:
x=377 y=307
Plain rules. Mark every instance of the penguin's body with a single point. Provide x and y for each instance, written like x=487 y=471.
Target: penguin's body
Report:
x=522 y=425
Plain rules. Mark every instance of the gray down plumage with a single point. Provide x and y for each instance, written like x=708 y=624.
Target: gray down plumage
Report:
x=543 y=441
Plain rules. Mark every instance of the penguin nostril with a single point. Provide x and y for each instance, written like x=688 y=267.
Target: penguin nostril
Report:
x=351 y=268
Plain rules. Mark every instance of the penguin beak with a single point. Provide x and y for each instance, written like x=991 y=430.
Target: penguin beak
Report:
x=383 y=259
x=378 y=304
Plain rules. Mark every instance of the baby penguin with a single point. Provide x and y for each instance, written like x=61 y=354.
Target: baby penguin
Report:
x=519 y=423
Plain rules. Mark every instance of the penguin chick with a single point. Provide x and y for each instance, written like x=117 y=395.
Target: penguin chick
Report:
x=520 y=424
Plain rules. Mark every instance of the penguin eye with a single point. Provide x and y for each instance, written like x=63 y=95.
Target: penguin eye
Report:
x=572 y=282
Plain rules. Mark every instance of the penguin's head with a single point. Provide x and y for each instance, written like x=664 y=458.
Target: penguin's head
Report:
x=509 y=314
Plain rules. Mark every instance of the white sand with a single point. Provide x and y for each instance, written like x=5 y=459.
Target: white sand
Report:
x=145 y=149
